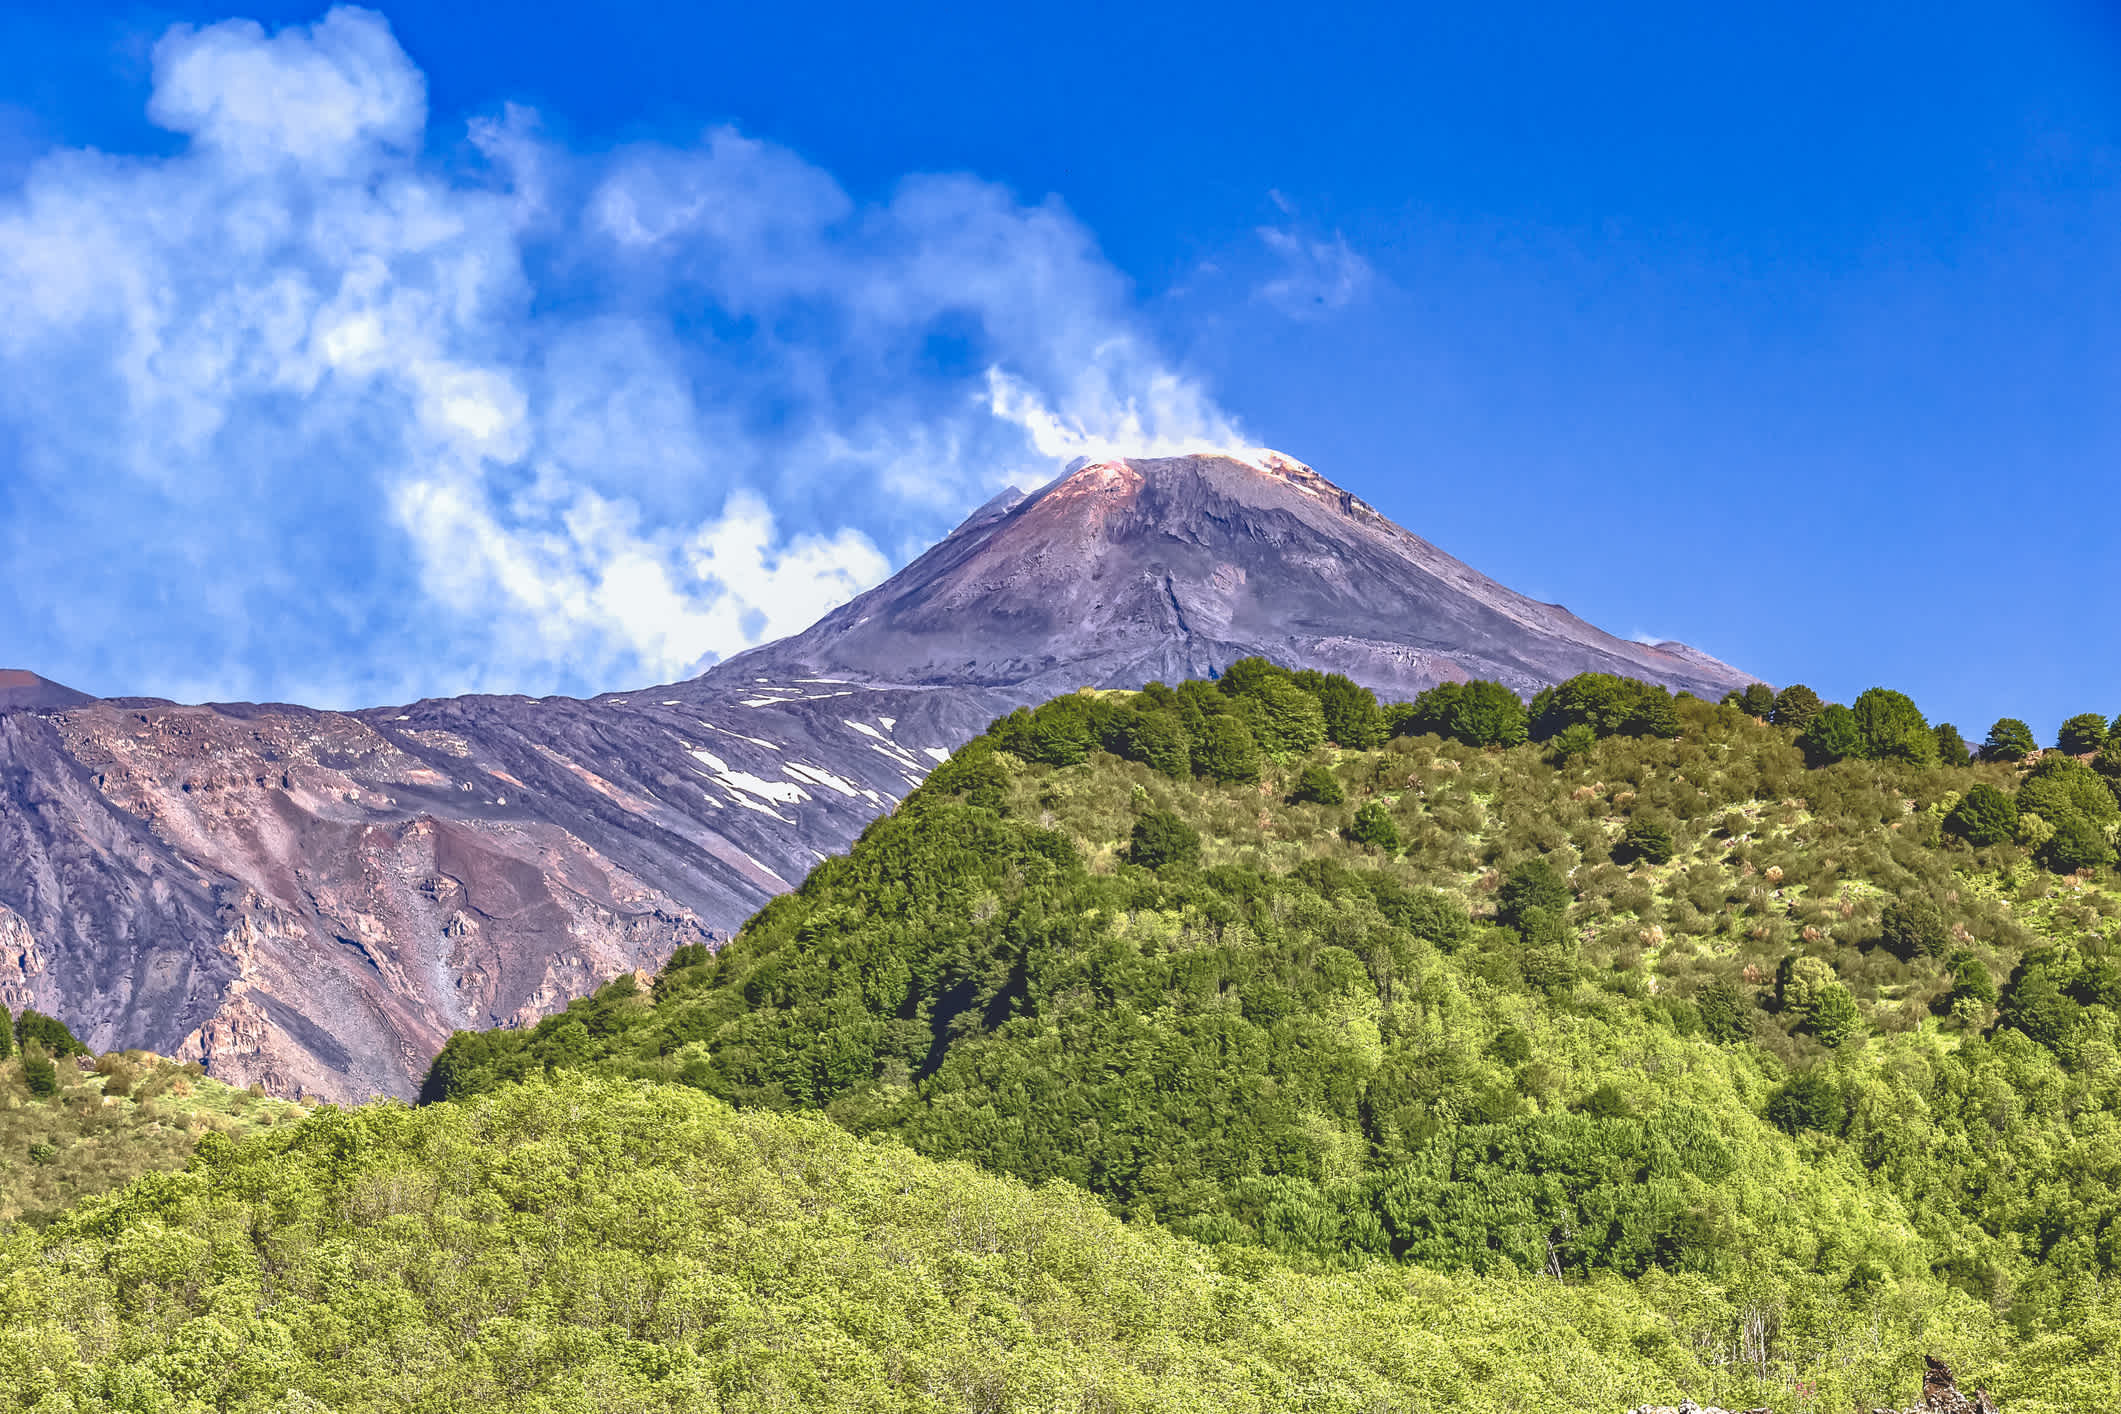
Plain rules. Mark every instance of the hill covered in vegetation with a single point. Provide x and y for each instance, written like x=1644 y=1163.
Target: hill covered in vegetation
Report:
x=1241 y=1045
x=1621 y=983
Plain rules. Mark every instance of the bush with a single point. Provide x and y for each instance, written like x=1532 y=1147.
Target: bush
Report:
x=1986 y=816
x=1160 y=839
x=38 y=1072
x=2009 y=740
x=1572 y=743
x=1795 y=706
x=2076 y=844
x=1374 y=828
x=2082 y=734
x=1536 y=883
x=1915 y=927
x=1645 y=839
x=1318 y=786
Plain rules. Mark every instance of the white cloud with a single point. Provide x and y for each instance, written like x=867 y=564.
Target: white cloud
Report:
x=301 y=411
x=1316 y=276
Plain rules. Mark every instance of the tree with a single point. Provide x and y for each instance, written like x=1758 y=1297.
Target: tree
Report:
x=1488 y=714
x=2082 y=734
x=1536 y=883
x=1807 y=1100
x=1225 y=751
x=1646 y=839
x=2009 y=740
x=7 y=1033
x=48 y=1033
x=38 y=1072
x=1757 y=700
x=1985 y=816
x=1353 y=718
x=1285 y=720
x=2108 y=762
x=1795 y=706
x=1892 y=728
x=1318 y=786
x=1952 y=749
x=1248 y=675
x=1161 y=839
x=1833 y=734
x=1373 y=827
x=2062 y=786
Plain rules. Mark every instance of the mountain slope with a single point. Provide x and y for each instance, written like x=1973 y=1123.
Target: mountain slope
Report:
x=313 y=901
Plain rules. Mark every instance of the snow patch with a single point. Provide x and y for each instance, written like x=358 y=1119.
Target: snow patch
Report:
x=821 y=778
x=937 y=752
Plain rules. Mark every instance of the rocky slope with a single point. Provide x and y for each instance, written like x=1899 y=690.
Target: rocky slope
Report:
x=312 y=901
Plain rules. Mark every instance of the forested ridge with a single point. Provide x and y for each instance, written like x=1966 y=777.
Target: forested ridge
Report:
x=1477 y=1053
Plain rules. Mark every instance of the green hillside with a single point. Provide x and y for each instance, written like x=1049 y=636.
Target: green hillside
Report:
x=1660 y=989
x=1250 y=1046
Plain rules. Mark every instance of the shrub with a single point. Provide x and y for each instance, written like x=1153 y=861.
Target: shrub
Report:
x=2082 y=734
x=1645 y=839
x=1373 y=827
x=1986 y=816
x=1915 y=927
x=2076 y=844
x=1536 y=883
x=1572 y=743
x=1318 y=786
x=1160 y=839
x=2008 y=740
x=38 y=1072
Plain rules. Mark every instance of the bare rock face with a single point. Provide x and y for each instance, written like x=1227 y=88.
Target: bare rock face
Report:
x=312 y=901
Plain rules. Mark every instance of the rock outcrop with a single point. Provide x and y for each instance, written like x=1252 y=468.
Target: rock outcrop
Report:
x=311 y=901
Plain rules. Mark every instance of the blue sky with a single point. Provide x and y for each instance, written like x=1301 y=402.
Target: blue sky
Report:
x=355 y=357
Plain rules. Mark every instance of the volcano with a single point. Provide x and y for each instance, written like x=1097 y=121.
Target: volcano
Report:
x=312 y=901
x=1123 y=571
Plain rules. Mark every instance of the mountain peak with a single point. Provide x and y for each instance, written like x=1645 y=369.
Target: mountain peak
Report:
x=1128 y=568
x=25 y=691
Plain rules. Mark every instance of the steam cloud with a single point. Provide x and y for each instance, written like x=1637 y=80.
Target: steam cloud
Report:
x=303 y=411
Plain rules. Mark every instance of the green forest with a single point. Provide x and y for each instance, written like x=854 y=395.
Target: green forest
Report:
x=1243 y=1044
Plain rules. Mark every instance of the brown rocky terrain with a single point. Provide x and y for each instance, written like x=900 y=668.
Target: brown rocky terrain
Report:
x=311 y=901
